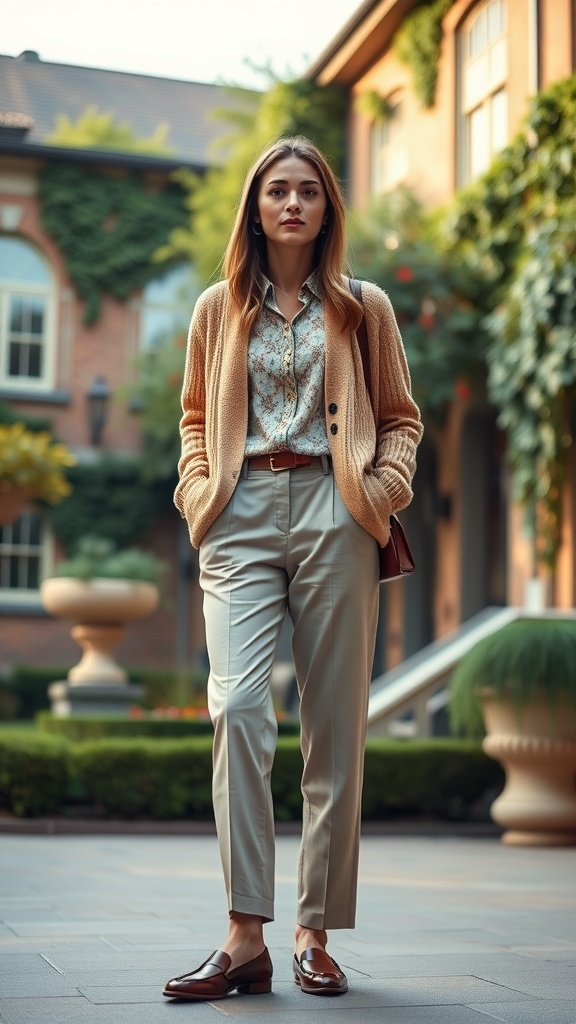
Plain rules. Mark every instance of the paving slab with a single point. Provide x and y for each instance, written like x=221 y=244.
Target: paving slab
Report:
x=450 y=930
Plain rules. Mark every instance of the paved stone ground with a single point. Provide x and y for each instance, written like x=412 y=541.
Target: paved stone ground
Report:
x=451 y=930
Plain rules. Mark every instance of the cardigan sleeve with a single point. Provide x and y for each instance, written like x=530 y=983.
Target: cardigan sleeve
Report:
x=193 y=462
x=398 y=424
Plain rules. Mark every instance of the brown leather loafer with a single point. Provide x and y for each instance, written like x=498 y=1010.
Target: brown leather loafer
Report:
x=214 y=979
x=318 y=974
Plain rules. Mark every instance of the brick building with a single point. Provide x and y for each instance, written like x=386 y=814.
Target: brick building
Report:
x=494 y=55
x=50 y=358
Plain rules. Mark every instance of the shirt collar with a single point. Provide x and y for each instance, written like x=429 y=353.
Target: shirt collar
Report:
x=310 y=284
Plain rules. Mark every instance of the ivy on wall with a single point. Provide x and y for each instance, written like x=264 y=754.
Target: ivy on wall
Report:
x=107 y=228
x=417 y=44
x=112 y=494
x=515 y=229
x=434 y=295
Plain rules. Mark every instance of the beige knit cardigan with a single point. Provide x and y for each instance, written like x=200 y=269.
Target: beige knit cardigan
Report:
x=373 y=454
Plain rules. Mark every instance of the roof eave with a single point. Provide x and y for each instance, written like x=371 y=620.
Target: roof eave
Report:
x=360 y=42
x=99 y=157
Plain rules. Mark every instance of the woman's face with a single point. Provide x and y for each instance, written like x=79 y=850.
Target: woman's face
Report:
x=291 y=202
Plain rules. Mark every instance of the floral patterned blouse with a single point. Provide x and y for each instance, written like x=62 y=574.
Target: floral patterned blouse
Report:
x=286 y=377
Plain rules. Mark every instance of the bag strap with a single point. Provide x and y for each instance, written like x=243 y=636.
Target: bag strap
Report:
x=362 y=337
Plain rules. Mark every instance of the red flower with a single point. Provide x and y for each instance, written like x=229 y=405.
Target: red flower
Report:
x=462 y=388
x=426 y=320
x=404 y=274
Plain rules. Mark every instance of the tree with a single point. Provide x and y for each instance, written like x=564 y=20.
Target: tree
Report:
x=99 y=130
x=298 y=107
x=394 y=243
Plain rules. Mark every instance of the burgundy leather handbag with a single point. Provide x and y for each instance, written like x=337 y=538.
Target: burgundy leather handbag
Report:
x=396 y=559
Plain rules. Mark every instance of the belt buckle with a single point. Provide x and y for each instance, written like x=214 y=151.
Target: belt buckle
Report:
x=279 y=469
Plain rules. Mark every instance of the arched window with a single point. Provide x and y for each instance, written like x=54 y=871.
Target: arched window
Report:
x=389 y=149
x=167 y=304
x=26 y=318
x=482 y=93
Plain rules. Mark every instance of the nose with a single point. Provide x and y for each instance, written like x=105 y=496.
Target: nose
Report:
x=292 y=202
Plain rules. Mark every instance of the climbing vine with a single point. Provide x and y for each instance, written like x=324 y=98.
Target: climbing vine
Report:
x=515 y=229
x=107 y=228
x=435 y=298
x=417 y=44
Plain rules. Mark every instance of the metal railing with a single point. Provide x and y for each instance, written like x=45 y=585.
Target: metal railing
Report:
x=410 y=700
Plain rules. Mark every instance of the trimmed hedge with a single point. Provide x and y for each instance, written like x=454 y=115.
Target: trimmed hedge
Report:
x=99 y=727
x=34 y=774
x=161 y=779
x=24 y=692
x=443 y=778
x=157 y=779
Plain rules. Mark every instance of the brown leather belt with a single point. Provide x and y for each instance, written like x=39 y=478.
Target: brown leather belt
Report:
x=278 y=461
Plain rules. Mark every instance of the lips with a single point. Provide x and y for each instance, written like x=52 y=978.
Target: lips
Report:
x=293 y=222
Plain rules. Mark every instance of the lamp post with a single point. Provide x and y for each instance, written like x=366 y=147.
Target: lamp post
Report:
x=98 y=396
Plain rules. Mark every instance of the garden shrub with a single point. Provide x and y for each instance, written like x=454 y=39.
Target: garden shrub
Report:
x=147 y=778
x=34 y=774
x=30 y=683
x=113 y=727
x=172 y=778
x=437 y=778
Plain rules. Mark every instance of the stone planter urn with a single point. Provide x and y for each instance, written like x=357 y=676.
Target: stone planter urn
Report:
x=536 y=744
x=99 y=609
x=517 y=687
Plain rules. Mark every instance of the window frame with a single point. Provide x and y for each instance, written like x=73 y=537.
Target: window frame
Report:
x=10 y=288
x=382 y=182
x=146 y=305
x=482 y=101
x=24 y=598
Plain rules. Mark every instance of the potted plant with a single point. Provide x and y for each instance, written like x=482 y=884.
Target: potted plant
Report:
x=31 y=468
x=99 y=590
x=520 y=684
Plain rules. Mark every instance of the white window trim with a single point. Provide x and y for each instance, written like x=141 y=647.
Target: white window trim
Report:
x=31 y=598
x=9 y=287
x=388 y=181
x=465 y=110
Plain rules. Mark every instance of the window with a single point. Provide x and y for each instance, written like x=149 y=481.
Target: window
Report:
x=483 y=88
x=23 y=558
x=26 y=318
x=389 y=150
x=167 y=305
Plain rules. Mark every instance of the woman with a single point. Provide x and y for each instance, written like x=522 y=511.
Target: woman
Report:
x=287 y=480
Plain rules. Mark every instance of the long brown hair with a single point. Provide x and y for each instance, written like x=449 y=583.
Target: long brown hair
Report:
x=245 y=257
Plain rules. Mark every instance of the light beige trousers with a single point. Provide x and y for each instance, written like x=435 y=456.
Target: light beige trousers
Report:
x=286 y=541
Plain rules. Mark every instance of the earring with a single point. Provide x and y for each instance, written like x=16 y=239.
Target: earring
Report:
x=257 y=233
x=324 y=229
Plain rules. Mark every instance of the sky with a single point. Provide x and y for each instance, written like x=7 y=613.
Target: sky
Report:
x=216 y=41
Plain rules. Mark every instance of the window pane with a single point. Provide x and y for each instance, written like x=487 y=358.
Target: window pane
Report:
x=36 y=317
x=495 y=19
x=477 y=37
x=34 y=361
x=20 y=262
x=167 y=306
x=25 y=349
x=16 y=316
x=479 y=145
x=389 y=151
x=499 y=121
x=476 y=82
x=498 y=63
x=20 y=553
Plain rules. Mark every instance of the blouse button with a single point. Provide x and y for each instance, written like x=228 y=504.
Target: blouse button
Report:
x=332 y=408
x=334 y=428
